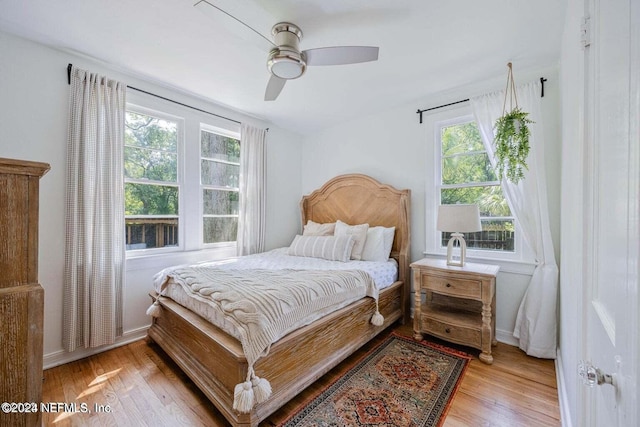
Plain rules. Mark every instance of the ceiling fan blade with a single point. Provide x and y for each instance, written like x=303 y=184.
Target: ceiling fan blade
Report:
x=274 y=87
x=339 y=55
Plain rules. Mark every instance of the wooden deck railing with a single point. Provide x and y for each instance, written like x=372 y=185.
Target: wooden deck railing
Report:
x=151 y=232
x=501 y=240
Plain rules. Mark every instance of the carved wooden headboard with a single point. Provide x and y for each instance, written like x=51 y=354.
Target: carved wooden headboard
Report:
x=358 y=199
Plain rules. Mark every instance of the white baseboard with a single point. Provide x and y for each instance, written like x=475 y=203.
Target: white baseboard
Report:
x=506 y=337
x=563 y=401
x=61 y=357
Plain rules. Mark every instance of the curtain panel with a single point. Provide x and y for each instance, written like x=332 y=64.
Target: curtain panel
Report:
x=253 y=176
x=536 y=322
x=94 y=229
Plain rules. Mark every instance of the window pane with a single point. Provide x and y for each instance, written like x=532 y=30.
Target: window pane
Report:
x=142 y=163
x=220 y=202
x=220 y=174
x=147 y=199
x=461 y=138
x=148 y=233
x=488 y=198
x=220 y=167
x=496 y=234
x=220 y=147
x=151 y=132
x=467 y=168
x=220 y=229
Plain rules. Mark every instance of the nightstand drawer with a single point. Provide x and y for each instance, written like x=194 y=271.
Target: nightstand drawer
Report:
x=461 y=288
x=459 y=334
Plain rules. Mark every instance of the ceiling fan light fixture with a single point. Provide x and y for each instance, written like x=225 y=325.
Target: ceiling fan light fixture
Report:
x=286 y=64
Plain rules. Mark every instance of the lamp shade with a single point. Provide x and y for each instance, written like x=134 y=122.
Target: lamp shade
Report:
x=459 y=218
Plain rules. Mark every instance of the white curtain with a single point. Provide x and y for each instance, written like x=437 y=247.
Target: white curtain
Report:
x=536 y=323
x=94 y=234
x=253 y=174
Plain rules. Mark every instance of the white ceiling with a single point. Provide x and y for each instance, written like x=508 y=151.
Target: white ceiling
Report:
x=426 y=47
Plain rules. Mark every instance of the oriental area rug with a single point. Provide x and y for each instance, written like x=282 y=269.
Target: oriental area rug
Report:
x=401 y=382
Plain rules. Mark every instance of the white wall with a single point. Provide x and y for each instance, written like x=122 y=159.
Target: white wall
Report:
x=390 y=146
x=33 y=126
x=393 y=148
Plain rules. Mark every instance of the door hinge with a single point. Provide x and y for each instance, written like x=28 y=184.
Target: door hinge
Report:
x=585 y=32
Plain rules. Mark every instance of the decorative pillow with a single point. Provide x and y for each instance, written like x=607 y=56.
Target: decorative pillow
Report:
x=378 y=245
x=317 y=229
x=332 y=248
x=359 y=233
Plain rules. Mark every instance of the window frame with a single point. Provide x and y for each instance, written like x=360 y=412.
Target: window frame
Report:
x=435 y=122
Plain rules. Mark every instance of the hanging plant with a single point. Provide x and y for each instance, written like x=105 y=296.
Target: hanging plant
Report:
x=511 y=139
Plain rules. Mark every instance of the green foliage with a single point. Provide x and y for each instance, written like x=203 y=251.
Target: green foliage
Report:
x=465 y=161
x=150 y=155
x=512 y=144
x=149 y=199
x=464 y=158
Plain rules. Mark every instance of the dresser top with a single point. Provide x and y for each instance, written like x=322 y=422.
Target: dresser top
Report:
x=441 y=264
x=23 y=167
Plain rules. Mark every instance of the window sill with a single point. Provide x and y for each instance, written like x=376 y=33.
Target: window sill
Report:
x=162 y=260
x=506 y=265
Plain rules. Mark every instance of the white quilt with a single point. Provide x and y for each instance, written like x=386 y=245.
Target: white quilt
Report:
x=260 y=298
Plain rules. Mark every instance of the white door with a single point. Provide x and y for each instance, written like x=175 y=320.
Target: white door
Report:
x=612 y=183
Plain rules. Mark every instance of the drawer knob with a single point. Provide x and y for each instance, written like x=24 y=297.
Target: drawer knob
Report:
x=447 y=330
x=448 y=285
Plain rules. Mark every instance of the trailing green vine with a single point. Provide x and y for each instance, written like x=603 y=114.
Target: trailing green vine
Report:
x=511 y=139
x=512 y=144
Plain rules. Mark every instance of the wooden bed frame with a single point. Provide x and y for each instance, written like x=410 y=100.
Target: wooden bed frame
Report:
x=215 y=361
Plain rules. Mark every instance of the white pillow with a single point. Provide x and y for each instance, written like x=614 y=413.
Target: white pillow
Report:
x=359 y=233
x=378 y=245
x=317 y=229
x=332 y=248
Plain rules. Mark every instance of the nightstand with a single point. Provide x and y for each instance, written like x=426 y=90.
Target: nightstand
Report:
x=459 y=303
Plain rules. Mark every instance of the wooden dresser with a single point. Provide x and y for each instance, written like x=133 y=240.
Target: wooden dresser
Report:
x=21 y=296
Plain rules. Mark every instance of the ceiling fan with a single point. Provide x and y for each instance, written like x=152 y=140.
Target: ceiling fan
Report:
x=287 y=62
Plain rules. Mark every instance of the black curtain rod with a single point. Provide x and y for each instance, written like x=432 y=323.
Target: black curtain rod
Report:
x=162 y=97
x=440 y=106
x=542 y=80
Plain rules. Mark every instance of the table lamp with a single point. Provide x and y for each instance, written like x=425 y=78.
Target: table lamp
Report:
x=458 y=219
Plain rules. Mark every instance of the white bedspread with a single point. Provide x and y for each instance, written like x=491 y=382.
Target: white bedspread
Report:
x=382 y=273
x=226 y=294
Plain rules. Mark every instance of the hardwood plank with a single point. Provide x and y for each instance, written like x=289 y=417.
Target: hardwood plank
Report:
x=144 y=387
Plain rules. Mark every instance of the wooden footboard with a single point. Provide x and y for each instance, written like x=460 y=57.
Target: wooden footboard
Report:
x=215 y=361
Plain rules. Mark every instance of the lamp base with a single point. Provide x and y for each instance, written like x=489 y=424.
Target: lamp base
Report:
x=459 y=238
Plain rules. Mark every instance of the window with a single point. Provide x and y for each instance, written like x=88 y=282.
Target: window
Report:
x=220 y=180
x=152 y=190
x=182 y=169
x=466 y=176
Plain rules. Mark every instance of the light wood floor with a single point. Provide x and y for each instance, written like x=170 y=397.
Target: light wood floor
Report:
x=141 y=386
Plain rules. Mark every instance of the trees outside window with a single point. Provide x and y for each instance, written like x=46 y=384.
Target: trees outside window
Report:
x=182 y=172
x=466 y=177
x=220 y=180
x=152 y=190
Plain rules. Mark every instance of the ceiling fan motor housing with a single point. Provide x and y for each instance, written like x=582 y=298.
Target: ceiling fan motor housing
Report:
x=286 y=61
